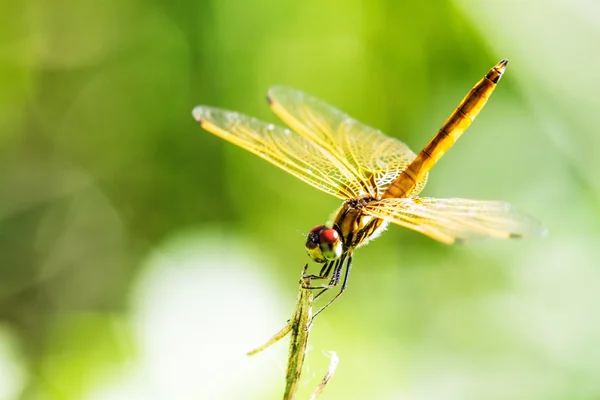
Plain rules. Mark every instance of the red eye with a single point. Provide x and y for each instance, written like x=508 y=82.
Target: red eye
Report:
x=324 y=244
x=316 y=230
x=329 y=235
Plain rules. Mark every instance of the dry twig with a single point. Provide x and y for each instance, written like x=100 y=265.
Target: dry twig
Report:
x=299 y=325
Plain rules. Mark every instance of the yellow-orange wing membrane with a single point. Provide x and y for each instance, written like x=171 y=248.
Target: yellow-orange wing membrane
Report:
x=456 y=220
x=374 y=158
x=283 y=148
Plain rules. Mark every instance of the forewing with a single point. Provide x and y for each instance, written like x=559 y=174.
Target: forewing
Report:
x=281 y=147
x=456 y=220
x=374 y=158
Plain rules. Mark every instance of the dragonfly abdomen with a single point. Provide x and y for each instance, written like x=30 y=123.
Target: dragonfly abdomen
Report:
x=458 y=122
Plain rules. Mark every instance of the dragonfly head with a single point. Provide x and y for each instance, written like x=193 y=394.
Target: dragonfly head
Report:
x=324 y=244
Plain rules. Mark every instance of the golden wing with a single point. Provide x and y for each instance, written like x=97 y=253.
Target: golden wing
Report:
x=283 y=148
x=456 y=220
x=376 y=159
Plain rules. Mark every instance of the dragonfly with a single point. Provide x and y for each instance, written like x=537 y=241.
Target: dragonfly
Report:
x=378 y=177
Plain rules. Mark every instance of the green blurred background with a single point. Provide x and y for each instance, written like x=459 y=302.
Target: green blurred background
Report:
x=141 y=257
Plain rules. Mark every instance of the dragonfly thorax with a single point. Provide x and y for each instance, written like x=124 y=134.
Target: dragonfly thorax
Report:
x=355 y=226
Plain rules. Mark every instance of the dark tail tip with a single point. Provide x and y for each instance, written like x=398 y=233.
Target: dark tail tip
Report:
x=501 y=66
x=496 y=73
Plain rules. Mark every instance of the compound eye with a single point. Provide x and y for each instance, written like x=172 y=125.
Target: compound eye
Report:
x=317 y=229
x=313 y=244
x=329 y=236
x=313 y=239
x=323 y=244
x=330 y=244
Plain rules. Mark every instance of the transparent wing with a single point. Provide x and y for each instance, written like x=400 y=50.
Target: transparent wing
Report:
x=373 y=157
x=283 y=148
x=456 y=220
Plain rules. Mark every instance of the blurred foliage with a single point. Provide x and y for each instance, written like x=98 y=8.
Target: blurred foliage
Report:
x=103 y=172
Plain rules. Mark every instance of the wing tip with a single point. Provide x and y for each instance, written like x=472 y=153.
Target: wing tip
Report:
x=198 y=113
x=271 y=94
x=538 y=231
x=283 y=90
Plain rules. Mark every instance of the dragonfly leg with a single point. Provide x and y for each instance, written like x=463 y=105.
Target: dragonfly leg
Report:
x=335 y=278
x=313 y=276
x=337 y=273
x=342 y=289
x=326 y=269
x=323 y=274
